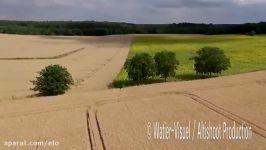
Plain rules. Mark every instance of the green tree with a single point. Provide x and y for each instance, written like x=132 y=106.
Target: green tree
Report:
x=53 y=80
x=211 y=60
x=252 y=33
x=140 y=67
x=166 y=63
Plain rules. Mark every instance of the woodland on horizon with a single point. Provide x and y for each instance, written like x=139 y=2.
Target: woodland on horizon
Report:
x=93 y=28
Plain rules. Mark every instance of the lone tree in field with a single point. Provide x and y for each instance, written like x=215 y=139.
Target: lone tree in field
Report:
x=166 y=64
x=211 y=60
x=252 y=33
x=53 y=80
x=140 y=67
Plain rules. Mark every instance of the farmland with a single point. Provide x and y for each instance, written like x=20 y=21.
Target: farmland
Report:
x=93 y=115
x=21 y=57
x=247 y=53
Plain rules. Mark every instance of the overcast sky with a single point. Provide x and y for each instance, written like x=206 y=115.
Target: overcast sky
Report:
x=136 y=11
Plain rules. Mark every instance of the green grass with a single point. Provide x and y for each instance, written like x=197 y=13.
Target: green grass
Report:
x=246 y=53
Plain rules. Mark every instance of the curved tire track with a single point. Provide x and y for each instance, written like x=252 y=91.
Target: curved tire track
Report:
x=234 y=117
x=206 y=103
x=41 y=58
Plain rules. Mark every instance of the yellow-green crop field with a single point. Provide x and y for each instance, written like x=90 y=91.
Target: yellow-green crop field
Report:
x=247 y=53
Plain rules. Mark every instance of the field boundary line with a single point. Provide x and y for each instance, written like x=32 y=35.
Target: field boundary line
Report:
x=51 y=57
x=105 y=101
x=231 y=116
x=95 y=71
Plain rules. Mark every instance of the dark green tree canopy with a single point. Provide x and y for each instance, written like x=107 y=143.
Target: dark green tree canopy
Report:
x=252 y=33
x=166 y=63
x=211 y=60
x=140 y=67
x=85 y=28
x=53 y=80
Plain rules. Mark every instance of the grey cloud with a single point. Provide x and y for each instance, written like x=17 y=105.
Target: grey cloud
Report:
x=194 y=3
x=136 y=11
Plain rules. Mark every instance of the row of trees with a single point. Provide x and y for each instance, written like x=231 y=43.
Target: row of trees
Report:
x=55 y=79
x=209 y=60
x=86 y=28
x=143 y=66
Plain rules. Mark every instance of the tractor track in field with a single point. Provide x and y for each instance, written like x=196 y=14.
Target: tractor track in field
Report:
x=90 y=131
x=229 y=115
x=105 y=101
x=100 y=131
x=94 y=130
x=44 y=58
x=205 y=103
x=94 y=71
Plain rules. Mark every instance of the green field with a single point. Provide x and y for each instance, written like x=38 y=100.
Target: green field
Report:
x=246 y=53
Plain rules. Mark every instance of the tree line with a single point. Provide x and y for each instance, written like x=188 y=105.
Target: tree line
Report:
x=87 y=28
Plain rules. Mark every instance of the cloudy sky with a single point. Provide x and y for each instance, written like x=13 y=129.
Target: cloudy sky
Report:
x=136 y=11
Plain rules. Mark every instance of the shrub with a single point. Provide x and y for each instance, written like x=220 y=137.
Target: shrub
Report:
x=166 y=64
x=252 y=33
x=53 y=80
x=211 y=60
x=140 y=67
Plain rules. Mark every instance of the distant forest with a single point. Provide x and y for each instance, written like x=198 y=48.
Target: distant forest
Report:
x=86 y=28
